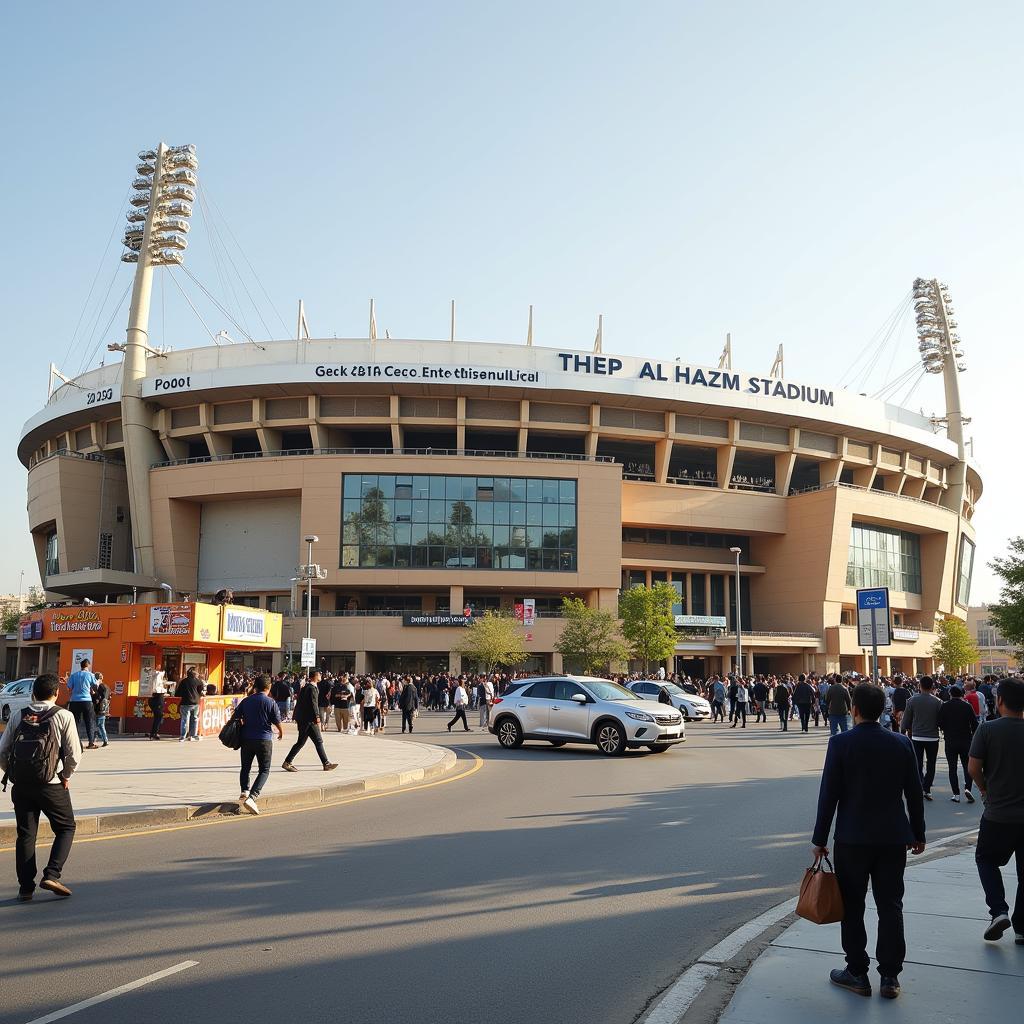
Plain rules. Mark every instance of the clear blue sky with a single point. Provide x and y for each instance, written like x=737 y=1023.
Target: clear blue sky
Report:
x=780 y=171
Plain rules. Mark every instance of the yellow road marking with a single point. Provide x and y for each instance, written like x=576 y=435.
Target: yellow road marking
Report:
x=224 y=819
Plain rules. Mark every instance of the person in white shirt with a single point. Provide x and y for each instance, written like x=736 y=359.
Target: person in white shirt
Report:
x=50 y=731
x=742 y=696
x=486 y=696
x=460 y=700
x=370 y=700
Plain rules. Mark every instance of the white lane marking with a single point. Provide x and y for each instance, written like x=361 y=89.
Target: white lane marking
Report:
x=119 y=991
x=673 y=1005
x=678 y=999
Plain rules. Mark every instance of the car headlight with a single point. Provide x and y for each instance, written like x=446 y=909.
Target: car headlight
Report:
x=639 y=716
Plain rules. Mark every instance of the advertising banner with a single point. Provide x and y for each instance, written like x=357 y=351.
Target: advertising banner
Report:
x=529 y=611
x=243 y=625
x=75 y=622
x=308 y=659
x=170 y=620
x=437 y=619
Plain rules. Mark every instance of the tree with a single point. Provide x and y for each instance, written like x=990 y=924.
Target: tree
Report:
x=648 y=624
x=954 y=646
x=1008 y=615
x=590 y=636
x=10 y=620
x=493 y=640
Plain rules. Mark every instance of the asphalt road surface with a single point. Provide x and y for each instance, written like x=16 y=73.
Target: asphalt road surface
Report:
x=550 y=885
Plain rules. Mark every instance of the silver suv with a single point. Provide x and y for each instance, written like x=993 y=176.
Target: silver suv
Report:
x=581 y=709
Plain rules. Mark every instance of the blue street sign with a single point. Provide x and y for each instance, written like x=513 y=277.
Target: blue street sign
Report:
x=877 y=598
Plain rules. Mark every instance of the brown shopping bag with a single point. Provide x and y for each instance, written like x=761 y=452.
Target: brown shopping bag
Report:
x=820 y=900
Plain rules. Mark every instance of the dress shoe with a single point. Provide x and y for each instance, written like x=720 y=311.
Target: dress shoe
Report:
x=851 y=982
x=889 y=988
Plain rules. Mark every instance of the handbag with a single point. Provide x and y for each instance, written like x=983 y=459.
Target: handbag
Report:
x=820 y=900
x=231 y=734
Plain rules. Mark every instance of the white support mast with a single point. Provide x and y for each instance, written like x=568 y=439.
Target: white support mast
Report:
x=725 y=359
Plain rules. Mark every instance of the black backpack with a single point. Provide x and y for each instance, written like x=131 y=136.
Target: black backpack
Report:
x=35 y=752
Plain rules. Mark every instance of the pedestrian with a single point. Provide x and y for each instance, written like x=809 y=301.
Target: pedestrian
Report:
x=39 y=752
x=997 y=766
x=281 y=694
x=718 y=700
x=900 y=696
x=370 y=698
x=324 y=702
x=307 y=721
x=803 y=697
x=341 y=701
x=156 y=704
x=921 y=724
x=839 y=706
x=81 y=683
x=742 y=699
x=101 y=705
x=258 y=715
x=760 y=693
x=408 y=702
x=871 y=785
x=189 y=692
x=782 y=701
x=486 y=696
x=958 y=724
x=459 y=701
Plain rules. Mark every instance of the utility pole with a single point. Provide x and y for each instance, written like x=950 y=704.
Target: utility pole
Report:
x=309 y=572
x=739 y=615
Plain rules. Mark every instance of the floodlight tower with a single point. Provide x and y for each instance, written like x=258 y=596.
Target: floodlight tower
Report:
x=942 y=352
x=155 y=236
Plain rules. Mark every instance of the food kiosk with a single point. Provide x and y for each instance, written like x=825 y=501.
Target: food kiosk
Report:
x=136 y=645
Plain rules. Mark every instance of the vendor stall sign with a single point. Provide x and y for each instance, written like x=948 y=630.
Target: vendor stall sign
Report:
x=170 y=620
x=75 y=622
x=247 y=625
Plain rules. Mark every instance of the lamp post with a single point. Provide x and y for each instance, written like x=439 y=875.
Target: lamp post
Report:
x=310 y=572
x=739 y=614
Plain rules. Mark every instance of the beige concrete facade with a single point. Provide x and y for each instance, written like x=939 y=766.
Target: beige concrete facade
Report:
x=996 y=655
x=667 y=482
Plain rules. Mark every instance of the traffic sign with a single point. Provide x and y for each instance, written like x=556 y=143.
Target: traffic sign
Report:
x=874 y=628
x=308 y=659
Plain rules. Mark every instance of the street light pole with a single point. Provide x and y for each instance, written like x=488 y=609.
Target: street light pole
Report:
x=310 y=540
x=739 y=615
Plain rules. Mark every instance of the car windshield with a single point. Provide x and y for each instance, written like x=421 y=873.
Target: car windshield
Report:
x=604 y=690
x=676 y=691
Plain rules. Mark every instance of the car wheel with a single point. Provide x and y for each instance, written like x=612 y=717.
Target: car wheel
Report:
x=658 y=748
x=510 y=735
x=557 y=743
x=610 y=739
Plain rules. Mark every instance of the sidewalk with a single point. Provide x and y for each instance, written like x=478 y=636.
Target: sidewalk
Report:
x=951 y=974
x=136 y=782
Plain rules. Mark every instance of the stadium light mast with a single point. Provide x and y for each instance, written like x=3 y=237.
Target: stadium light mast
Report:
x=942 y=352
x=155 y=236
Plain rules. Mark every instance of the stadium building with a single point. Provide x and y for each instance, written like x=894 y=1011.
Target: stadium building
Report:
x=441 y=476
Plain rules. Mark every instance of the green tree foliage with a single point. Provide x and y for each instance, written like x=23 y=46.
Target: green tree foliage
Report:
x=953 y=645
x=648 y=624
x=493 y=640
x=1008 y=615
x=9 y=620
x=590 y=637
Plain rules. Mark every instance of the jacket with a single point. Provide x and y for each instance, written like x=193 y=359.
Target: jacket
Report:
x=921 y=719
x=70 y=744
x=307 y=705
x=838 y=700
x=803 y=694
x=871 y=785
x=408 y=699
x=190 y=689
x=958 y=723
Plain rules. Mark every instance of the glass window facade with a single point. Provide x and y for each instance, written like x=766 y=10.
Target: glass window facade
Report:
x=393 y=521
x=963 y=583
x=883 y=557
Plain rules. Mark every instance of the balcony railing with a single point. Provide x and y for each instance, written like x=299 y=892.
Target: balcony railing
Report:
x=468 y=452
x=870 y=490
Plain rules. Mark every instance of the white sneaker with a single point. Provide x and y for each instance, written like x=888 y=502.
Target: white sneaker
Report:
x=243 y=795
x=996 y=927
x=250 y=805
x=955 y=799
x=199 y=739
x=182 y=740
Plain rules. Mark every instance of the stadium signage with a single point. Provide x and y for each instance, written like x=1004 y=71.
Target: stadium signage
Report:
x=436 y=619
x=609 y=366
x=399 y=371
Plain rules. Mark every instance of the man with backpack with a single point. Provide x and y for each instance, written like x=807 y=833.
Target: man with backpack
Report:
x=39 y=751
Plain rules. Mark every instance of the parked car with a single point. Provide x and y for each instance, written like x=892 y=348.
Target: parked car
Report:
x=581 y=709
x=14 y=696
x=694 y=708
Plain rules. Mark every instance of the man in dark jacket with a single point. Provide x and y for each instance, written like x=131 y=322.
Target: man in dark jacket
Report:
x=783 y=701
x=803 y=695
x=760 y=695
x=189 y=691
x=871 y=779
x=307 y=719
x=958 y=724
x=408 y=702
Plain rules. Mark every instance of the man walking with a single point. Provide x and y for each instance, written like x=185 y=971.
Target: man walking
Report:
x=408 y=702
x=871 y=785
x=460 y=700
x=342 y=696
x=307 y=719
x=958 y=724
x=101 y=705
x=81 y=684
x=718 y=700
x=37 y=740
x=997 y=765
x=189 y=691
x=258 y=714
x=803 y=697
x=486 y=696
x=782 y=704
x=839 y=706
x=921 y=724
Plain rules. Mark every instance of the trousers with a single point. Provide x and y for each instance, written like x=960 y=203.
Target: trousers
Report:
x=460 y=713
x=883 y=867
x=998 y=841
x=342 y=718
x=308 y=731
x=407 y=719
x=262 y=751
x=957 y=755
x=927 y=752
x=189 y=721
x=784 y=718
x=804 y=710
x=85 y=717
x=54 y=801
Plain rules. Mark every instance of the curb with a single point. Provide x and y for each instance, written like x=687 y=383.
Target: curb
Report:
x=96 y=824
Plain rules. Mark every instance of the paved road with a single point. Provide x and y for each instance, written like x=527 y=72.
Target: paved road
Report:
x=551 y=885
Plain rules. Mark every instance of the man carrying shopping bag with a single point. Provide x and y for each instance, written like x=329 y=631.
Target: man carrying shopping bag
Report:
x=871 y=785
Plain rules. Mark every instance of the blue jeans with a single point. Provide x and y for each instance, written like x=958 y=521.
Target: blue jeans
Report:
x=282 y=707
x=838 y=723
x=101 y=728
x=261 y=750
x=190 y=721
